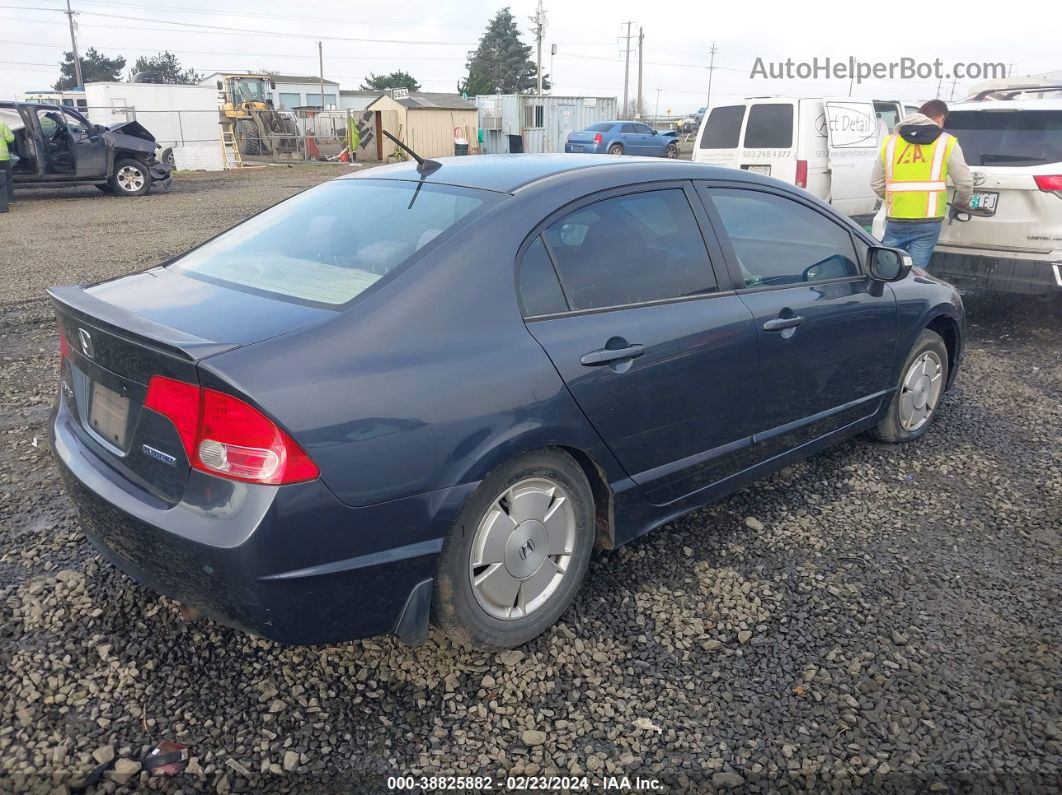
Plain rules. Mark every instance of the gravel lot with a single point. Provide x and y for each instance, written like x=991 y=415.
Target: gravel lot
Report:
x=877 y=617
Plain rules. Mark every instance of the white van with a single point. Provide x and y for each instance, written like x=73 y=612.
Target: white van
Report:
x=822 y=144
x=1014 y=150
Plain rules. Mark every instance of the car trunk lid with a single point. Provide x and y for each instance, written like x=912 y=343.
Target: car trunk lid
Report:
x=120 y=334
x=582 y=137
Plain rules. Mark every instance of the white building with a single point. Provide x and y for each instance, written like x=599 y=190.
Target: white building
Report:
x=291 y=91
x=357 y=100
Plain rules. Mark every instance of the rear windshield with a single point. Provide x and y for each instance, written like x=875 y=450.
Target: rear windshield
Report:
x=723 y=127
x=769 y=127
x=1008 y=137
x=604 y=127
x=327 y=245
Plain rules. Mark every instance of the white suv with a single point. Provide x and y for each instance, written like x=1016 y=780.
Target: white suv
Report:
x=1014 y=150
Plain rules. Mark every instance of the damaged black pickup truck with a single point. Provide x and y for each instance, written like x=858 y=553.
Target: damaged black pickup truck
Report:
x=56 y=145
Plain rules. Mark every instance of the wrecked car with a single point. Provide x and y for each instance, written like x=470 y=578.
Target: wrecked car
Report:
x=56 y=145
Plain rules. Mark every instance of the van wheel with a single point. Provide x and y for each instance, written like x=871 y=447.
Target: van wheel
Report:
x=130 y=178
x=517 y=554
x=918 y=393
x=615 y=149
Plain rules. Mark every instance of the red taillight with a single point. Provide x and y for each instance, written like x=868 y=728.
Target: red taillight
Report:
x=597 y=138
x=225 y=436
x=802 y=174
x=1049 y=183
x=64 y=346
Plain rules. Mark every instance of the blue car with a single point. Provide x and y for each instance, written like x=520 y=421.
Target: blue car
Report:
x=418 y=394
x=622 y=138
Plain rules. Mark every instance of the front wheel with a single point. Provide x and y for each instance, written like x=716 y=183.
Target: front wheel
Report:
x=918 y=393
x=517 y=554
x=130 y=178
x=615 y=149
x=671 y=151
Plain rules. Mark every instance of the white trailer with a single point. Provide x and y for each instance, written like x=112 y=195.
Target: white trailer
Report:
x=184 y=119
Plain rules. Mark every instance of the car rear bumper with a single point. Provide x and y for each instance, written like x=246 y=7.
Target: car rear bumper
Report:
x=291 y=563
x=593 y=149
x=1000 y=273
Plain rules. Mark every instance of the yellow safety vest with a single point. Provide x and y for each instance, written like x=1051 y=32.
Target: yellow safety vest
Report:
x=916 y=177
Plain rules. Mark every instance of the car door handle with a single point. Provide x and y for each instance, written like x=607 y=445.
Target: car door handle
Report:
x=782 y=323
x=607 y=355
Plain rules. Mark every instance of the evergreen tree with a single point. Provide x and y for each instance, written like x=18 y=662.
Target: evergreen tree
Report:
x=501 y=63
x=398 y=79
x=95 y=68
x=163 y=68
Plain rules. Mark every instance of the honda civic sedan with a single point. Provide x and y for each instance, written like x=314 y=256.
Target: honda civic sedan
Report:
x=424 y=395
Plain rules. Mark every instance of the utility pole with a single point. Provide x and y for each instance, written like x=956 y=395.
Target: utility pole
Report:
x=320 y=62
x=73 y=46
x=539 y=20
x=711 y=71
x=638 y=99
x=656 y=113
x=626 y=70
x=552 y=52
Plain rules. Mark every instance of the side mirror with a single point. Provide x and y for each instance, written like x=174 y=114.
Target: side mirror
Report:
x=221 y=86
x=273 y=84
x=888 y=264
x=655 y=132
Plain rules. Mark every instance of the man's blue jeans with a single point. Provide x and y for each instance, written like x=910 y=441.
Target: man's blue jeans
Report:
x=916 y=238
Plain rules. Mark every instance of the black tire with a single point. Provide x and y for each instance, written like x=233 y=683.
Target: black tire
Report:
x=891 y=429
x=247 y=134
x=130 y=178
x=671 y=151
x=455 y=606
x=616 y=149
x=167 y=157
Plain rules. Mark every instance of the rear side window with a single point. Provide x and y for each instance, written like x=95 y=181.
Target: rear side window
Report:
x=779 y=241
x=629 y=128
x=769 y=127
x=723 y=128
x=1008 y=137
x=327 y=245
x=540 y=292
x=631 y=249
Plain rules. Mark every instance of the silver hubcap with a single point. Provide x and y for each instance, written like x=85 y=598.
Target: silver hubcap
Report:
x=522 y=548
x=130 y=178
x=920 y=391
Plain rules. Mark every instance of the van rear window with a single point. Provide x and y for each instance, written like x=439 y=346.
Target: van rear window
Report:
x=1008 y=137
x=327 y=245
x=723 y=128
x=770 y=127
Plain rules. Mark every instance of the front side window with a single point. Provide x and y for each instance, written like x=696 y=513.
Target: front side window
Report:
x=631 y=249
x=75 y=124
x=723 y=128
x=329 y=244
x=770 y=126
x=779 y=241
x=1008 y=137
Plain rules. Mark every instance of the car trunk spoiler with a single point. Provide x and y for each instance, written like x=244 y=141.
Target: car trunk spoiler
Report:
x=75 y=302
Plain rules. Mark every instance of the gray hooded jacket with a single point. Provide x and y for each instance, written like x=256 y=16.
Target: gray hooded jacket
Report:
x=917 y=128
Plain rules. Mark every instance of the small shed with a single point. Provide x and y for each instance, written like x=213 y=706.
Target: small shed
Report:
x=537 y=123
x=428 y=123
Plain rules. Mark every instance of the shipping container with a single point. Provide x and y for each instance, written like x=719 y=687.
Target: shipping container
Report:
x=534 y=123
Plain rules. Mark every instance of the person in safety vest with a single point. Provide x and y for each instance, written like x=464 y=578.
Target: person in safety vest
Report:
x=911 y=173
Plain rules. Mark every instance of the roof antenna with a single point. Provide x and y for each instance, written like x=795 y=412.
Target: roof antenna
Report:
x=424 y=167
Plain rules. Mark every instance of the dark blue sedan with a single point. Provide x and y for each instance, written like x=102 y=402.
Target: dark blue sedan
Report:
x=622 y=138
x=416 y=393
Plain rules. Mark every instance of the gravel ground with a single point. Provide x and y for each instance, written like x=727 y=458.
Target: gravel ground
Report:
x=876 y=618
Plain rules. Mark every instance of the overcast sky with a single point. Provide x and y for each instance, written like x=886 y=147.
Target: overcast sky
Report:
x=431 y=40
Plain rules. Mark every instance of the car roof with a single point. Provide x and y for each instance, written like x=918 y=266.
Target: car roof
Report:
x=510 y=173
x=1008 y=104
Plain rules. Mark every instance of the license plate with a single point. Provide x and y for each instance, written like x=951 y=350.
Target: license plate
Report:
x=765 y=170
x=984 y=201
x=108 y=414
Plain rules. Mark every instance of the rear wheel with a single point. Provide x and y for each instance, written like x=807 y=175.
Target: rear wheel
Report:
x=516 y=557
x=615 y=149
x=918 y=394
x=130 y=178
